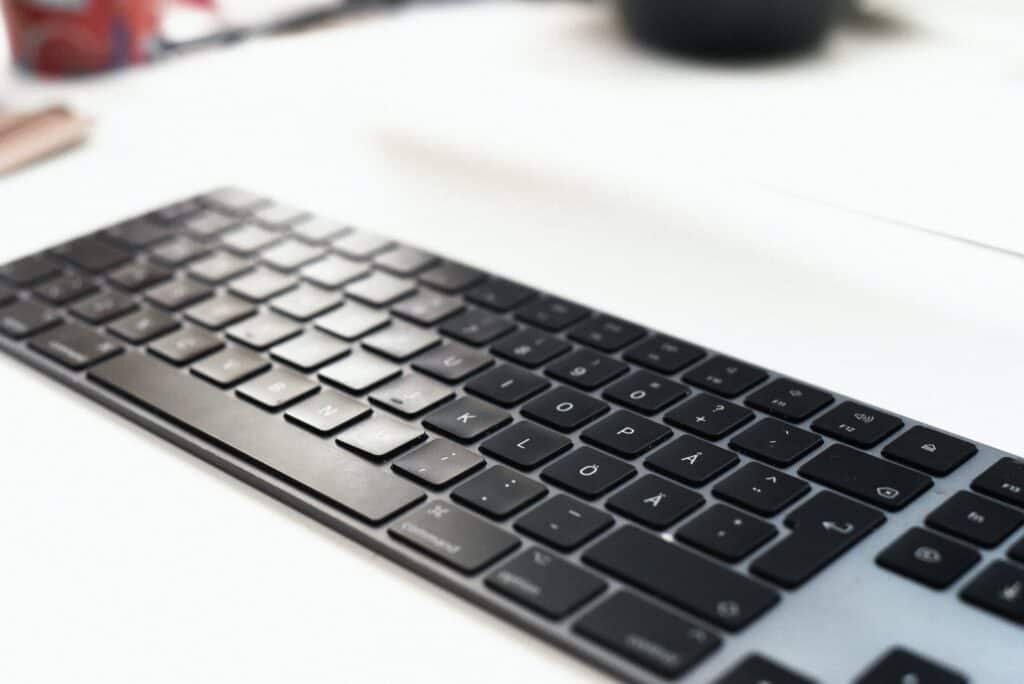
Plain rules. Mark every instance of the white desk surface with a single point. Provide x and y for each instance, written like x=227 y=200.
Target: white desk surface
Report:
x=126 y=560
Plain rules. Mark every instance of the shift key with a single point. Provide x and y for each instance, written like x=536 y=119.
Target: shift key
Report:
x=691 y=582
x=453 y=536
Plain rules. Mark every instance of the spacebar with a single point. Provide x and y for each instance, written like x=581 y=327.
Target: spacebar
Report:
x=318 y=465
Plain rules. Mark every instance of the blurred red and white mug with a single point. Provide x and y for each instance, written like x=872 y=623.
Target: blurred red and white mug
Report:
x=61 y=37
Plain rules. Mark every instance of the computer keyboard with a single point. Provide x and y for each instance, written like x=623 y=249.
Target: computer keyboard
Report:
x=662 y=511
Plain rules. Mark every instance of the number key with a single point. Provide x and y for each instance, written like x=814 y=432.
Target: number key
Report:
x=646 y=392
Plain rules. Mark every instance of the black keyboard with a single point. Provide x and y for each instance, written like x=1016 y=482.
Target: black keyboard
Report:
x=634 y=498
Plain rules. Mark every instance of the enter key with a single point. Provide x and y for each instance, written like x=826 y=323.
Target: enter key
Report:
x=823 y=529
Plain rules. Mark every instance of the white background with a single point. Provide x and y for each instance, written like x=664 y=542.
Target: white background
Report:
x=535 y=141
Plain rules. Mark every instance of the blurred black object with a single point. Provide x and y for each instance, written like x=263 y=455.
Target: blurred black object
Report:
x=731 y=28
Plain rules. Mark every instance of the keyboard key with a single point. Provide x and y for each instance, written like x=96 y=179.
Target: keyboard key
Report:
x=449 y=277
x=725 y=376
x=381 y=289
x=856 y=424
x=230 y=366
x=453 y=536
x=664 y=354
x=648 y=635
x=279 y=216
x=775 y=442
x=588 y=472
x=526 y=445
x=249 y=239
x=545 y=584
x=24 y=318
x=220 y=311
x=334 y=271
x=177 y=294
x=75 y=346
x=761 y=489
x=143 y=325
x=586 y=369
x=277 y=388
x=1004 y=481
x=825 y=527
x=208 y=224
x=401 y=341
x=975 y=519
x=438 y=463
x=264 y=330
x=1016 y=552
x=928 y=558
x=563 y=522
x=326 y=412
x=930 y=451
x=310 y=350
x=234 y=200
x=138 y=233
x=92 y=254
x=625 y=434
x=466 y=419
x=138 y=275
x=261 y=284
x=900 y=666
x=185 y=346
x=506 y=385
x=404 y=261
x=476 y=327
x=65 y=288
x=866 y=477
x=564 y=409
x=411 y=394
x=655 y=502
x=318 y=230
x=218 y=267
x=789 y=400
x=709 y=416
x=344 y=480
x=360 y=371
x=552 y=314
x=453 y=362
x=427 y=308
x=180 y=250
x=6 y=296
x=756 y=669
x=999 y=589
x=28 y=271
x=606 y=333
x=692 y=461
x=352 y=321
x=380 y=437
x=306 y=302
x=646 y=392
x=530 y=348
x=360 y=244
x=681 y=577
x=726 y=533
x=498 y=492
x=103 y=306
x=291 y=254
x=500 y=295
